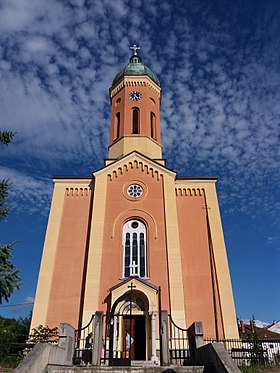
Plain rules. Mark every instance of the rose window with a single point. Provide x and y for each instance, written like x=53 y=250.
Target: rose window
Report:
x=135 y=190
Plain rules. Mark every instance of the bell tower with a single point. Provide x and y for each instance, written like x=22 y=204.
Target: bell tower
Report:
x=134 y=237
x=135 y=111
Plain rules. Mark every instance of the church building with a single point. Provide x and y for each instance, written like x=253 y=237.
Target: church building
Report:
x=135 y=231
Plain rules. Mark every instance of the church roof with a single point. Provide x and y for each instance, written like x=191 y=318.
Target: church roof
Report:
x=135 y=67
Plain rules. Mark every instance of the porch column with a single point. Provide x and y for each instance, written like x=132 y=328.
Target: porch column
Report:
x=115 y=336
x=119 y=347
x=154 y=357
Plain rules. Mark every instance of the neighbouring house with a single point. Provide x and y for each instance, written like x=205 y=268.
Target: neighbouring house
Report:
x=261 y=340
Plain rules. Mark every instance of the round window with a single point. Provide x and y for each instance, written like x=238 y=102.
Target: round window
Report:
x=134 y=224
x=135 y=190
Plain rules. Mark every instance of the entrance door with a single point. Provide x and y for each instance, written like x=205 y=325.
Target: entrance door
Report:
x=138 y=334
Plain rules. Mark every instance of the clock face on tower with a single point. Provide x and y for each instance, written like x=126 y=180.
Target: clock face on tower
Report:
x=135 y=96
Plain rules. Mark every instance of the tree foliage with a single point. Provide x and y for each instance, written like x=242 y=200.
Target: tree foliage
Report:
x=9 y=274
x=13 y=333
x=6 y=137
x=42 y=334
x=4 y=196
x=16 y=327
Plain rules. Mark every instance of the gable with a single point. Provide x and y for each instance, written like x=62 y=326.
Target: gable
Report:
x=135 y=160
x=138 y=285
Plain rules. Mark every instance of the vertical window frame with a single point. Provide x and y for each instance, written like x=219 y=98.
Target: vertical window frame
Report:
x=153 y=125
x=135 y=121
x=117 y=125
x=134 y=266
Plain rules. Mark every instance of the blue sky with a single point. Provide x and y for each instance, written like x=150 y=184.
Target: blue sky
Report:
x=219 y=66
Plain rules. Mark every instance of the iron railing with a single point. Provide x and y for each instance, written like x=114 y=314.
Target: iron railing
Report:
x=83 y=344
x=179 y=352
x=248 y=352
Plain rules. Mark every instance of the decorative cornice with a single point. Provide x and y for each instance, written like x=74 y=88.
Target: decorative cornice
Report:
x=196 y=179
x=60 y=177
x=134 y=164
x=189 y=192
x=77 y=192
x=143 y=81
x=151 y=163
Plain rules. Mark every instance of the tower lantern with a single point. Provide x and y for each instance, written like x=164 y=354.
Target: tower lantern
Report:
x=135 y=111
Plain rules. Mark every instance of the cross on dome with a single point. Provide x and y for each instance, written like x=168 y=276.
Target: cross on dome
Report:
x=135 y=49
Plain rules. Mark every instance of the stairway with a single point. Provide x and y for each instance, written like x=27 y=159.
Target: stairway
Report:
x=132 y=369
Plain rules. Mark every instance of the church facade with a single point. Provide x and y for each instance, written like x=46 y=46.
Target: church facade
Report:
x=136 y=230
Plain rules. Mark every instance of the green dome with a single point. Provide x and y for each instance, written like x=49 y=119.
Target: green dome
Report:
x=136 y=68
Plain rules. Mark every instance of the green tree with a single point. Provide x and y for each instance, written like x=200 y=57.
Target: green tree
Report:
x=9 y=274
x=43 y=334
x=6 y=137
x=258 y=353
x=13 y=336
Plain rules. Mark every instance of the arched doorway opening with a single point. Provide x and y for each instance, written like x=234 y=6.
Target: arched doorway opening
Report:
x=132 y=322
x=129 y=328
x=132 y=330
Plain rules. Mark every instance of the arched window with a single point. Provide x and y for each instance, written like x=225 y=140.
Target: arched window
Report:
x=135 y=120
x=118 y=121
x=134 y=249
x=153 y=125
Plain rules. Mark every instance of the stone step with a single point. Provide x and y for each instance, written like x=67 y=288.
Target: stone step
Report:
x=142 y=363
x=142 y=369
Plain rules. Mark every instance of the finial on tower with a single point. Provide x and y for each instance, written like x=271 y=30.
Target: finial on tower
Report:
x=135 y=49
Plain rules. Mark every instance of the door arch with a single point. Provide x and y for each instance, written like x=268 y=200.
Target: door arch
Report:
x=129 y=329
x=145 y=301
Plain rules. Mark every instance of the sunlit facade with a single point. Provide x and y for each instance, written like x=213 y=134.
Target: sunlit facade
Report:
x=136 y=229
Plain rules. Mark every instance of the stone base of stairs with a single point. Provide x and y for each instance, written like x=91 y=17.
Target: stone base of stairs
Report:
x=132 y=369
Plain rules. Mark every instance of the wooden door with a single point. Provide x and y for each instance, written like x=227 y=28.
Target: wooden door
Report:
x=138 y=334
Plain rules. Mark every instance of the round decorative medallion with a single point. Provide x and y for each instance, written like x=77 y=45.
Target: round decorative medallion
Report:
x=135 y=190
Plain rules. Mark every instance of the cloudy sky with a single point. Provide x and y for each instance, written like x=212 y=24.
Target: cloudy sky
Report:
x=218 y=62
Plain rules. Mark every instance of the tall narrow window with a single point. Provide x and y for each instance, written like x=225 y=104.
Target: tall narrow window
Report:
x=153 y=125
x=118 y=122
x=127 y=255
x=135 y=120
x=142 y=256
x=134 y=249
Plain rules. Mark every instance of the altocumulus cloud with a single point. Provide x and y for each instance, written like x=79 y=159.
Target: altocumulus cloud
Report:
x=219 y=73
x=28 y=193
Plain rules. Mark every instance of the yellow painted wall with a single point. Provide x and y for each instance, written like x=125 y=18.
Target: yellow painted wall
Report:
x=142 y=144
x=228 y=313
x=49 y=250
x=95 y=248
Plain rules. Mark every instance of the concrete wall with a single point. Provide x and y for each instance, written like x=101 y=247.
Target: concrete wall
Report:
x=216 y=354
x=45 y=353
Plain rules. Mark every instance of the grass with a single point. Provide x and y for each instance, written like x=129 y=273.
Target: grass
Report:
x=6 y=369
x=9 y=363
x=259 y=369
